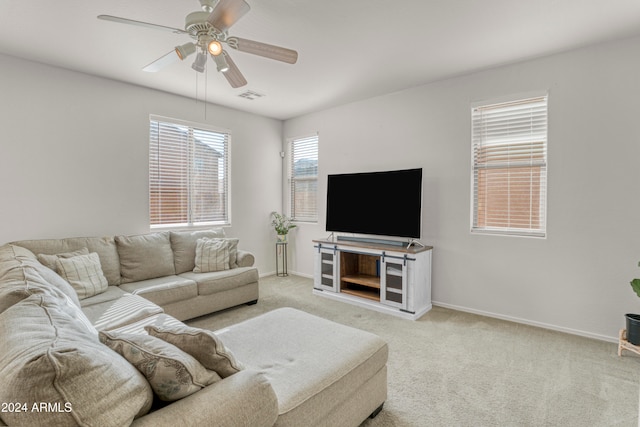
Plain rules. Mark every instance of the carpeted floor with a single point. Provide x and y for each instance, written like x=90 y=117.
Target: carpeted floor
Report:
x=452 y=368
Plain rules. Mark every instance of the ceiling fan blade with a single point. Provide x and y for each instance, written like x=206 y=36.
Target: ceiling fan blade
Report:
x=162 y=62
x=140 y=24
x=263 y=49
x=233 y=74
x=227 y=12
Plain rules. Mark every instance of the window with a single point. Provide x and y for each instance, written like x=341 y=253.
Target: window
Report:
x=188 y=174
x=509 y=143
x=303 y=178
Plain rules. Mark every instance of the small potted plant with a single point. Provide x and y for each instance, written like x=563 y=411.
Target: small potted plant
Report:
x=633 y=320
x=282 y=224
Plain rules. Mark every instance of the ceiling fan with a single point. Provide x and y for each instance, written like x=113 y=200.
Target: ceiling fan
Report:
x=209 y=29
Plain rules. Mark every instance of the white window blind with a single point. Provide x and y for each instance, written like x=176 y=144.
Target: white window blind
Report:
x=188 y=174
x=509 y=143
x=303 y=178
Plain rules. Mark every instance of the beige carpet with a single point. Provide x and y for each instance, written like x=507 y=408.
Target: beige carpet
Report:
x=457 y=369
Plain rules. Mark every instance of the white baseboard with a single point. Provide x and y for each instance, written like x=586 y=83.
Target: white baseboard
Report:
x=612 y=339
x=271 y=273
x=308 y=276
x=529 y=322
x=290 y=273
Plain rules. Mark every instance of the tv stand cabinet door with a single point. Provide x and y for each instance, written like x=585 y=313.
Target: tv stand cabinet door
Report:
x=393 y=282
x=326 y=269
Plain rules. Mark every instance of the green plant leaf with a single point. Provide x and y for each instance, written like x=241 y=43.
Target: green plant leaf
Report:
x=635 y=284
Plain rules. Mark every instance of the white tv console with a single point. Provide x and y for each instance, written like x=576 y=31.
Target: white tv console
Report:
x=383 y=277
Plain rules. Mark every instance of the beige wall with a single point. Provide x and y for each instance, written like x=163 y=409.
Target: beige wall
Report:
x=74 y=157
x=577 y=279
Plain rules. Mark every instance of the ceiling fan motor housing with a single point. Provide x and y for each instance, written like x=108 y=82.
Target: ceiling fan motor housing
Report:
x=196 y=25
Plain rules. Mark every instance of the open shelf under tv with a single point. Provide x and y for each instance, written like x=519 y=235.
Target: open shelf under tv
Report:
x=359 y=275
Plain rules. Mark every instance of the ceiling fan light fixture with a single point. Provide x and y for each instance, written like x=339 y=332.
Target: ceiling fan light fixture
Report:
x=185 y=50
x=215 y=48
x=221 y=63
x=200 y=62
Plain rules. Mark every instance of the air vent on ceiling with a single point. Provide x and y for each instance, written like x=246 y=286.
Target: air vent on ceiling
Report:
x=251 y=95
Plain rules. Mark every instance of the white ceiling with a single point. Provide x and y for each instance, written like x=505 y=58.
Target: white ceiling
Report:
x=348 y=49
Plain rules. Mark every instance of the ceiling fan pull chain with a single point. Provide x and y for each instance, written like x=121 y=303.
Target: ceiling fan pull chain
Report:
x=206 y=85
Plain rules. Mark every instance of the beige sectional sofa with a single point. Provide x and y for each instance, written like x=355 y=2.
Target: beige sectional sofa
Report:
x=159 y=267
x=87 y=356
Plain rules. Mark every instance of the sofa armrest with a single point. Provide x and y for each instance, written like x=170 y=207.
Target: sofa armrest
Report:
x=242 y=399
x=245 y=259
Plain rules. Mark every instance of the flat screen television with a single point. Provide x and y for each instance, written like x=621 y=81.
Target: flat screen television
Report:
x=385 y=203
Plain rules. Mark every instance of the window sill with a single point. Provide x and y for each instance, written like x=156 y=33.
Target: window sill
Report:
x=510 y=233
x=182 y=227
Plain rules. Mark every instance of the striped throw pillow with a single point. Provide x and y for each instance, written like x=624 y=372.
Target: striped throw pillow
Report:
x=84 y=273
x=211 y=255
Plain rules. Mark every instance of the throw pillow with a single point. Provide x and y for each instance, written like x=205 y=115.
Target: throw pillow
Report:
x=84 y=273
x=204 y=345
x=211 y=255
x=183 y=244
x=50 y=260
x=172 y=373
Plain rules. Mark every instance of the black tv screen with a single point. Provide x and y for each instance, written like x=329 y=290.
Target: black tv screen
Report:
x=381 y=203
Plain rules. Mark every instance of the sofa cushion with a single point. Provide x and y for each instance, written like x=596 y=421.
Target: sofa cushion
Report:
x=11 y=250
x=145 y=256
x=48 y=355
x=172 y=373
x=313 y=364
x=21 y=275
x=218 y=281
x=54 y=279
x=105 y=247
x=126 y=309
x=84 y=273
x=204 y=345
x=183 y=244
x=112 y=293
x=139 y=326
x=163 y=290
x=211 y=255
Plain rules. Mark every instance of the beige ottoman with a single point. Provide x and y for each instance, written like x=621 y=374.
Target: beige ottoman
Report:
x=323 y=373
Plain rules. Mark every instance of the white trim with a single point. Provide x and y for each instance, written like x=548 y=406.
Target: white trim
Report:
x=586 y=334
x=304 y=136
x=296 y=273
x=203 y=126
x=290 y=273
x=510 y=98
x=263 y=275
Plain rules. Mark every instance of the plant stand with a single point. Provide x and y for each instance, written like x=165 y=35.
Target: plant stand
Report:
x=281 y=259
x=623 y=344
